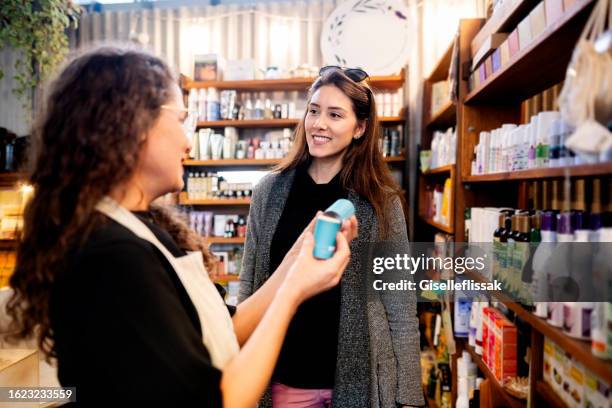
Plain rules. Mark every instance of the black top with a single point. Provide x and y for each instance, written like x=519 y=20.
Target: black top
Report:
x=308 y=356
x=125 y=329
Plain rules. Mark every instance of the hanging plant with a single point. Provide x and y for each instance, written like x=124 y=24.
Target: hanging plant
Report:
x=36 y=30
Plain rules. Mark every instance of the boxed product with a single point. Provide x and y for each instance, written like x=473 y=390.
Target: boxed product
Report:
x=513 y=43
x=504 y=53
x=207 y=67
x=524 y=33
x=553 y=10
x=537 y=19
x=504 y=350
x=496 y=60
x=547 y=361
x=573 y=393
x=596 y=392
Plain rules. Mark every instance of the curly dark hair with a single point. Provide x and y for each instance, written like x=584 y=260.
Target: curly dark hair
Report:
x=86 y=142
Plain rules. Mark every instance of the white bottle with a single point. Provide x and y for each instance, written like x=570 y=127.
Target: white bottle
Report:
x=213 y=111
x=202 y=109
x=541 y=257
x=192 y=100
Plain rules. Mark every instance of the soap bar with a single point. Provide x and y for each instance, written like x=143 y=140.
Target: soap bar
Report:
x=524 y=33
x=554 y=11
x=482 y=74
x=513 y=43
x=488 y=67
x=496 y=60
x=537 y=18
x=505 y=53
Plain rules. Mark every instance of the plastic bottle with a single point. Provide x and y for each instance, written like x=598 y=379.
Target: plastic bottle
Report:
x=565 y=234
x=212 y=105
x=548 y=231
x=202 y=104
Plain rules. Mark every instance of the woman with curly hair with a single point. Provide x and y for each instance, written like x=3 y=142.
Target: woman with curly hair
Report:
x=343 y=347
x=106 y=281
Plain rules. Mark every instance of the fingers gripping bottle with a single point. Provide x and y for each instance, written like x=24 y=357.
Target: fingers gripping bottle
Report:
x=327 y=226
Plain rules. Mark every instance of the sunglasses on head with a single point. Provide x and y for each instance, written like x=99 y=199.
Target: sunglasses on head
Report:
x=356 y=74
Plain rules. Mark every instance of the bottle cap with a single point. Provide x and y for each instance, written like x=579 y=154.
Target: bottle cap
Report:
x=343 y=208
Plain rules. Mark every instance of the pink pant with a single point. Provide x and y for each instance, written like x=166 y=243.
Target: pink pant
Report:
x=284 y=396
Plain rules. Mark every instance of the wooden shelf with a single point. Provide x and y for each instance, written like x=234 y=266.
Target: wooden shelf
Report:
x=549 y=395
x=587 y=170
x=226 y=278
x=441 y=227
x=11 y=179
x=446 y=116
x=538 y=66
x=580 y=350
x=449 y=168
x=257 y=162
x=183 y=200
x=288 y=84
x=391 y=119
x=232 y=162
x=254 y=123
x=224 y=240
x=440 y=71
x=8 y=244
x=510 y=401
x=503 y=20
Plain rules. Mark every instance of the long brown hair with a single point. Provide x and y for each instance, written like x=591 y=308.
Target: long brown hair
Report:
x=86 y=142
x=364 y=169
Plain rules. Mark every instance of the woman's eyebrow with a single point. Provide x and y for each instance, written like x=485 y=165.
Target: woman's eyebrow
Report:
x=331 y=107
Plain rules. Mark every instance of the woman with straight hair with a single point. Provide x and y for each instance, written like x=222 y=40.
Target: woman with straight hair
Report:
x=115 y=288
x=343 y=347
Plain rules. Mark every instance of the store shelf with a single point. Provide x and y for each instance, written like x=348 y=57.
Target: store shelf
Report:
x=183 y=200
x=254 y=123
x=226 y=278
x=580 y=350
x=10 y=179
x=257 y=162
x=450 y=168
x=391 y=119
x=441 y=227
x=600 y=169
x=232 y=162
x=224 y=240
x=8 y=244
x=503 y=20
x=446 y=116
x=538 y=66
x=510 y=401
x=549 y=395
x=287 y=84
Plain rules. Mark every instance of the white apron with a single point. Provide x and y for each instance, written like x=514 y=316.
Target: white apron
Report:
x=218 y=331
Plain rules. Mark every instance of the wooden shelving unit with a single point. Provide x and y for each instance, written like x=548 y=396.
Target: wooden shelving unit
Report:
x=580 y=350
x=226 y=278
x=444 y=228
x=184 y=200
x=499 y=100
x=287 y=84
x=224 y=240
x=440 y=170
x=508 y=400
x=587 y=170
x=541 y=64
x=254 y=123
x=258 y=162
x=8 y=244
x=446 y=116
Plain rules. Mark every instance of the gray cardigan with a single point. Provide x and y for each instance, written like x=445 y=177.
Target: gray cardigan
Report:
x=378 y=362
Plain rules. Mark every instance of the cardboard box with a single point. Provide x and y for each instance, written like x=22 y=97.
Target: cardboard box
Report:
x=488 y=47
x=482 y=74
x=596 y=391
x=513 y=43
x=524 y=33
x=537 y=19
x=554 y=11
